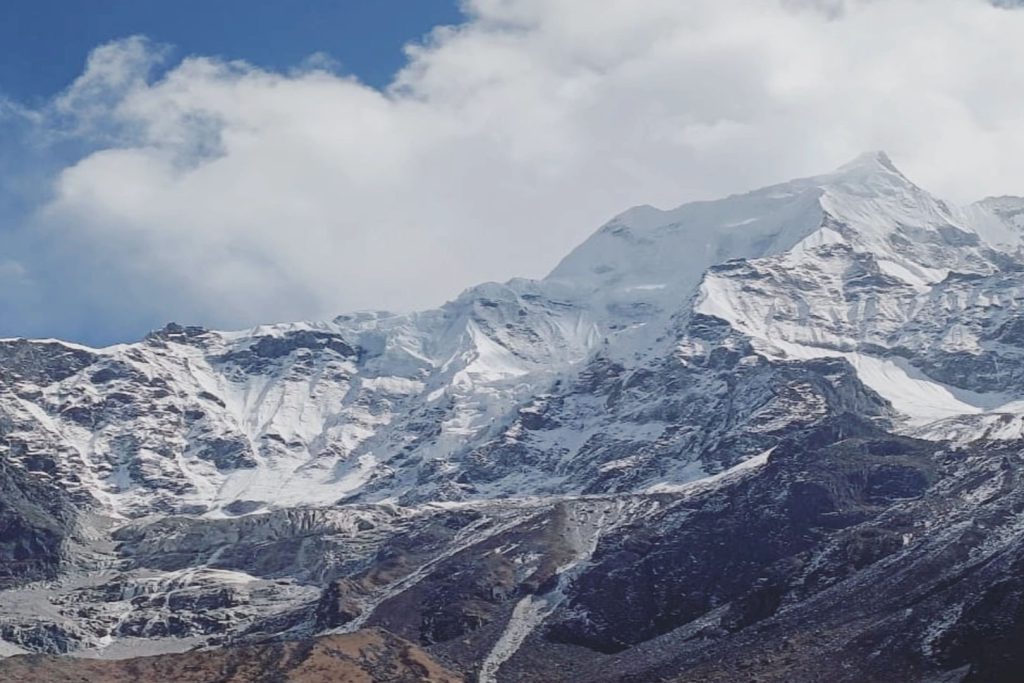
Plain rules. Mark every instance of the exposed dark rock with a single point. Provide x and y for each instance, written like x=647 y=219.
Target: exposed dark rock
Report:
x=37 y=525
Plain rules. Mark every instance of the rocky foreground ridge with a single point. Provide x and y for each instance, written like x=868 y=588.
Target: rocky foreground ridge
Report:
x=365 y=657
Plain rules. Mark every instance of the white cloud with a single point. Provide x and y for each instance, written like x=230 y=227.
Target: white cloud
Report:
x=229 y=195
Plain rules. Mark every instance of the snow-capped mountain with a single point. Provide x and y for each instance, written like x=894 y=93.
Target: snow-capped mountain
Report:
x=307 y=477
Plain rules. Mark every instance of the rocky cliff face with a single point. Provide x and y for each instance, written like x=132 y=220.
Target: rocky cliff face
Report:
x=716 y=442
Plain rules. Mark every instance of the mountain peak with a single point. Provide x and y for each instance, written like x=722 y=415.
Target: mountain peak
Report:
x=648 y=253
x=873 y=161
x=869 y=174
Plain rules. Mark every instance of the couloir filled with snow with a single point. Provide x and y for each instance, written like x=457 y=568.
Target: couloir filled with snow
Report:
x=670 y=346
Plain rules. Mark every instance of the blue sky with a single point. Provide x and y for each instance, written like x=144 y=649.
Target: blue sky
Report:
x=43 y=43
x=187 y=161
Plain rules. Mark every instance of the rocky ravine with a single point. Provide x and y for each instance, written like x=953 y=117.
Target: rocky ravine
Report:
x=773 y=437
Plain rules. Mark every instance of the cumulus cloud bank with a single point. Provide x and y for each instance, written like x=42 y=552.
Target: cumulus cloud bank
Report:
x=215 y=192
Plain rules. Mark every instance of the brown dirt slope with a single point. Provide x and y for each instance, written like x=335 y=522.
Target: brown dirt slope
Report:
x=368 y=656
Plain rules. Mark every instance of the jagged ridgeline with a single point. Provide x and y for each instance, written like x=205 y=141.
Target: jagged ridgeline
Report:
x=775 y=436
